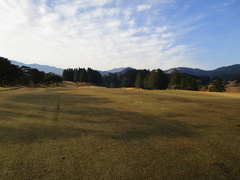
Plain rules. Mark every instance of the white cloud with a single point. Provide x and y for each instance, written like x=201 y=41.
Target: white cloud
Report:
x=85 y=33
x=143 y=7
x=222 y=6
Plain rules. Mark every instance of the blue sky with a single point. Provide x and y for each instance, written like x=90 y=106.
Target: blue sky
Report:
x=106 y=34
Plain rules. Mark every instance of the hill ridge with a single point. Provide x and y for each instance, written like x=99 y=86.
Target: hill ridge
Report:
x=230 y=72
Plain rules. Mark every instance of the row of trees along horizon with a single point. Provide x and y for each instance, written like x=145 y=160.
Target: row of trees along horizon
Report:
x=12 y=75
x=144 y=79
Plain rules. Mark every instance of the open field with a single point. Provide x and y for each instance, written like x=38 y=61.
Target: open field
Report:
x=97 y=133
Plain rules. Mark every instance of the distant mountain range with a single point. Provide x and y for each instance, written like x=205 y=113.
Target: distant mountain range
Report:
x=119 y=71
x=226 y=73
x=59 y=71
x=44 y=68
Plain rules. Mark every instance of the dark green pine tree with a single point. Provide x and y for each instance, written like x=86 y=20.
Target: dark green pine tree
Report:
x=157 y=79
x=193 y=85
x=82 y=75
x=175 y=79
x=76 y=75
x=15 y=75
x=94 y=77
x=36 y=76
x=68 y=75
x=217 y=85
x=128 y=79
x=5 y=67
x=184 y=83
x=65 y=75
x=163 y=80
x=139 y=83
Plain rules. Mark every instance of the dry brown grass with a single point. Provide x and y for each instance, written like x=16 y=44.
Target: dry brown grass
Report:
x=99 y=133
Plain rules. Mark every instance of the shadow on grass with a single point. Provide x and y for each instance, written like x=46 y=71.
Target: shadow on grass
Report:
x=51 y=99
x=100 y=122
x=66 y=121
x=38 y=133
x=132 y=125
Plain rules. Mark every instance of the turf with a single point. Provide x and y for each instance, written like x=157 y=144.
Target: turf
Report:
x=97 y=133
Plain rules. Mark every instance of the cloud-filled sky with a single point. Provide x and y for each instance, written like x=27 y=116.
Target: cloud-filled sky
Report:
x=106 y=34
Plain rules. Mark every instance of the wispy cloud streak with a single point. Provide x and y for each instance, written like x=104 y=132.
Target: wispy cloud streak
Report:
x=100 y=34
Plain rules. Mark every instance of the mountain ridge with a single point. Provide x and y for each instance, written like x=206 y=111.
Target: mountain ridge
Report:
x=115 y=70
x=226 y=72
x=45 y=68
x=59 y=71
x=231 y=72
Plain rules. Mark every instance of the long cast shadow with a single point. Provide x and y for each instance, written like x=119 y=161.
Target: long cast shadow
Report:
x=122 y=125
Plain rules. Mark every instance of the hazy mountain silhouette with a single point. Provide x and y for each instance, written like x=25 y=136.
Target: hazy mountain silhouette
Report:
x=226 y=73
x=44 y=68
x=119 y=71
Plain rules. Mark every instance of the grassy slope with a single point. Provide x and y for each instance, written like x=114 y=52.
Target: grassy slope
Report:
x=98 y=133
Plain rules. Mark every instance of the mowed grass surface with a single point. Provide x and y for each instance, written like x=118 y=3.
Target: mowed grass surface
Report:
x=99 y=133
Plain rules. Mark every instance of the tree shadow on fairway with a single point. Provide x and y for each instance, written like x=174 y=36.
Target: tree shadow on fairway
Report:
x=39 y=133
x=51 y=99
x=95 y=121
x=128 y=126
x=41 y=117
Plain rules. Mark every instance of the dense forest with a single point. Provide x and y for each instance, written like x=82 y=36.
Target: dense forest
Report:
x=155 y=79
x=12 y=75
x=143 y=79
x=82 y=75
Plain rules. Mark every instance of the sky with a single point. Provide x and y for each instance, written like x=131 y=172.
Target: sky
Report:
x=107 y=34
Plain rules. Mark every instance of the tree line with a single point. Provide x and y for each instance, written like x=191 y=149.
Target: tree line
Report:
x=12 y=75
x=82 y=75
x=158 y=79
x=155 y=79
x=183 y=81
x=144 y=79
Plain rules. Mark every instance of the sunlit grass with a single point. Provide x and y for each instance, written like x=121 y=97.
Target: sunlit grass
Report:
x=97 y=133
